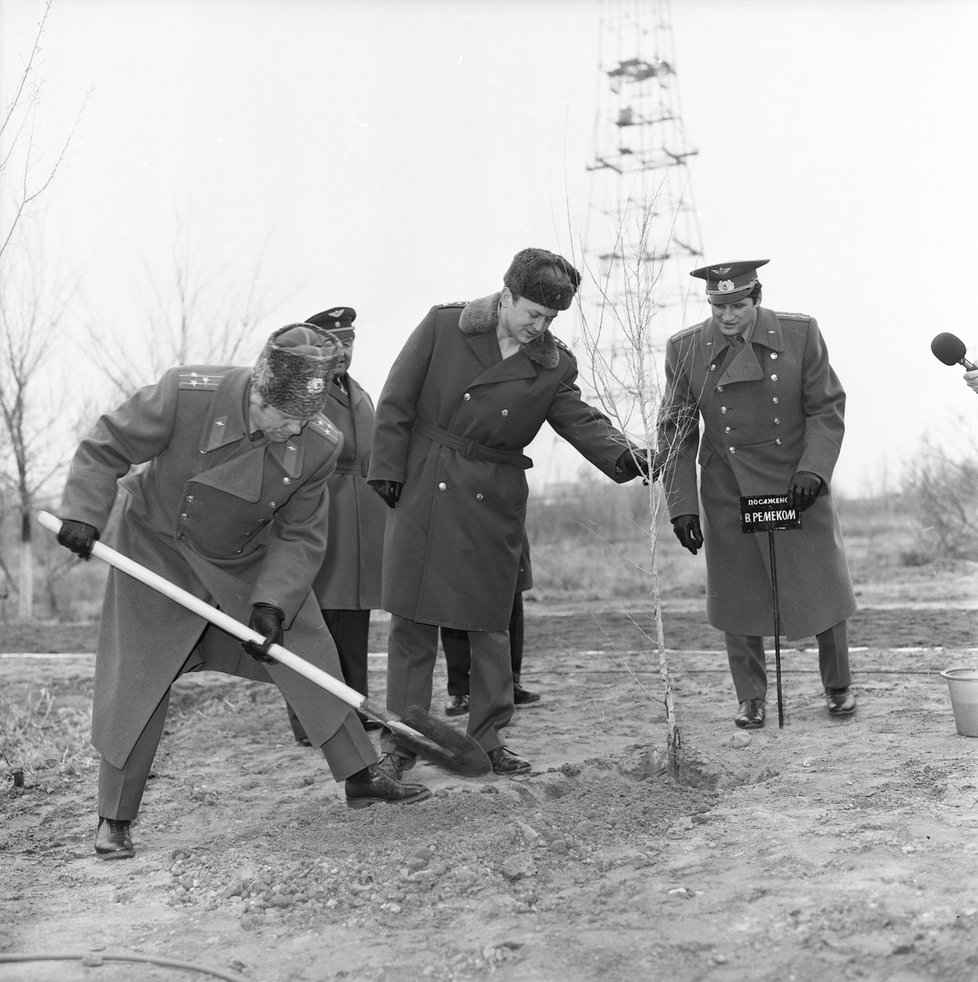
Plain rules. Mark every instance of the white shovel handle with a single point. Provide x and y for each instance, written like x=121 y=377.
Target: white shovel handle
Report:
x=217 y=617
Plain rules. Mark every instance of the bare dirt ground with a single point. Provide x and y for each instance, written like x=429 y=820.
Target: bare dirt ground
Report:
x=826 y=849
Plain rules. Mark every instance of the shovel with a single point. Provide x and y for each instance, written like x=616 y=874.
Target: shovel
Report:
x=416 y=730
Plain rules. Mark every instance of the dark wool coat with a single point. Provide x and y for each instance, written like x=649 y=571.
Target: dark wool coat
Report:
x=231 y=520
x=350 y=575
x=453 y=543
x=769 y=408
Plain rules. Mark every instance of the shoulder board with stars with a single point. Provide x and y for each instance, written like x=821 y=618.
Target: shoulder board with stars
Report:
x=198 y=380
x=454 y=303
x=795 y=317
x=563 y=347
x=325 y=428
x=686 y=332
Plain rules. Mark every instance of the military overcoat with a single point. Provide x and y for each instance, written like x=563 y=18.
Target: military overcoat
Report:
x=350 y=575
x=231 y=519
x=769 y=408
x=453 y=543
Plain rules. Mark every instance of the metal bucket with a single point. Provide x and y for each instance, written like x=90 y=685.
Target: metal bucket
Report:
x=962 y=683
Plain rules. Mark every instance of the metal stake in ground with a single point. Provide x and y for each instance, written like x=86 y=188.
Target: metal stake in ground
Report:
x=771 y=513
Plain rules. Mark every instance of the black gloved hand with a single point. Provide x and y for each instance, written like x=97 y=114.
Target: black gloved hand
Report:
x=803 y=489
x=79 y=537
x=635 y=463
x=688 y=531
x=390 y=491
x=267 y=620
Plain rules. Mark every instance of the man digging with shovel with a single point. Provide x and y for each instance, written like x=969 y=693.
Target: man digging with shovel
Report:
x=230 y=507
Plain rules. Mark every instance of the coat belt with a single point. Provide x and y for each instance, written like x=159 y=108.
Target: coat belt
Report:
x=469 y=448
x=353 y=466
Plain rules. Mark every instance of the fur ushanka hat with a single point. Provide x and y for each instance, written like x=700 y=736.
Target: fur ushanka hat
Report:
x=294 y=370
x=543 y=277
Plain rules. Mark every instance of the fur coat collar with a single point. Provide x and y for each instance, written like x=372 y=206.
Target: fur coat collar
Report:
x=482 y=316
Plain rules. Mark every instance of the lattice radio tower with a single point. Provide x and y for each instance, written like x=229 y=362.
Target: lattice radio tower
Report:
x=642 y=235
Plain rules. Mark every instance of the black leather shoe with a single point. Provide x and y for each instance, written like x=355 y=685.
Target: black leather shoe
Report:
x=505 y=762
x=841 y=702
x=750 y=714
x=113 y=839
x=379 y=786
x=457 y=706
x=522 y=697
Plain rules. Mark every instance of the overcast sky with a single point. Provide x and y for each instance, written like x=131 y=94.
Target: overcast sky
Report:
x=394 y=154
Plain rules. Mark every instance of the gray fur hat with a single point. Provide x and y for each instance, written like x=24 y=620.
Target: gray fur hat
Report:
x=294 y=370
x=543 y=277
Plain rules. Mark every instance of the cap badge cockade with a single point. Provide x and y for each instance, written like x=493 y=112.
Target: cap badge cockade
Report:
x=725 y=286
x=315 y=385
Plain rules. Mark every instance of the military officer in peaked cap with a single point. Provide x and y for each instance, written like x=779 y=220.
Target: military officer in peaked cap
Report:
x=772 y=411
x=347 y=585
x=471 y=387
x=231 y=507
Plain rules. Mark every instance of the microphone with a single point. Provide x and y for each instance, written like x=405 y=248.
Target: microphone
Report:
x=950 y=349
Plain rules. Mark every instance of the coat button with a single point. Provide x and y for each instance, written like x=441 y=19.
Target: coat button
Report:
x=505 y=412
x=726 y=429
x=723 y=409
x=777 y=420
x=179 y=535
x=774 y=356
x=191 y=498
x=774 y=378
x=719 y=388
x=442 y=486
x=467 y=396
x=733 y=449
x=480 y=496
x=778 y=441
x=775 y=400
x=184 y=516
x=713 y=368
x=286 y=480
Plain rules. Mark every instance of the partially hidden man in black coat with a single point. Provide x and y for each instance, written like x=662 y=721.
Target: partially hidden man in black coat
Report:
x=230 y=506
x=470 y=389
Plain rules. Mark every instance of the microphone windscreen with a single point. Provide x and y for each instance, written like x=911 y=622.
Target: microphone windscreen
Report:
x=948 y=348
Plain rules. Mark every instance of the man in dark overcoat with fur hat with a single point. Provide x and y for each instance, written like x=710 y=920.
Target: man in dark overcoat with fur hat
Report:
x=231 y=507
x=772 y=411
x=470 y=389
x=347 y=585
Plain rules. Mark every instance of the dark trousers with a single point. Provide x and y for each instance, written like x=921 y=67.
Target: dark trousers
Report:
x=120 y=789
x=745 y=654
x=458 y=654
x=350 y=631
x=412 y=649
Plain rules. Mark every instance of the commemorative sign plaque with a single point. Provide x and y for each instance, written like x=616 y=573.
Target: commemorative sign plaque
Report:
x=771 y=513
x=768 y=513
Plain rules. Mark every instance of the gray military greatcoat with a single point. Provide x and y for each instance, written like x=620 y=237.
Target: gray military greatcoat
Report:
x=232 y=520
x=769 y=408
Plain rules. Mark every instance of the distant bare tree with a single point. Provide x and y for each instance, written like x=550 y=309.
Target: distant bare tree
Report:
x=939 y=486
x=198 y=310
x=31 y=307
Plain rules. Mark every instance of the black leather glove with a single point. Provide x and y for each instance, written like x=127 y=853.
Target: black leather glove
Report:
x=390 y=491
x=635 y=463
x=688 y=531
x=79 y=537
x=267 y=620
x=803 y=489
